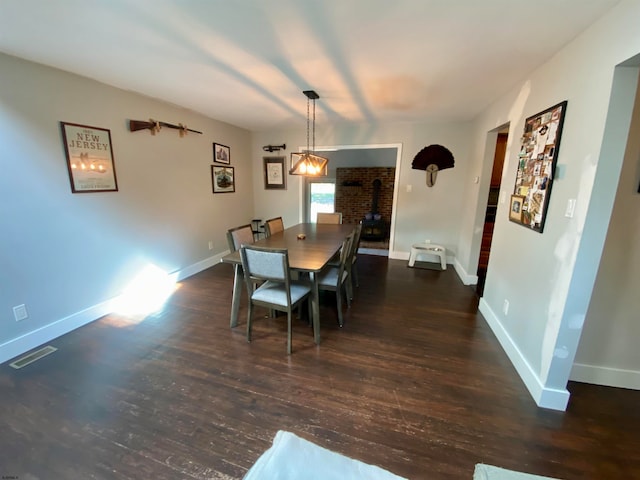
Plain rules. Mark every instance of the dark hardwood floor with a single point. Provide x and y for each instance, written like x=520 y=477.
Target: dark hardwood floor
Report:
x=415 y=383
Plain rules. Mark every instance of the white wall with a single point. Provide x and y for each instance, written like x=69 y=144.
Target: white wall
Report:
x=424 y=212
x=548 y=278
x=608 y=353
x=64 y=255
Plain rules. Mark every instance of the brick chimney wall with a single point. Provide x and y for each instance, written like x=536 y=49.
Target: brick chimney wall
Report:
x=354 y=192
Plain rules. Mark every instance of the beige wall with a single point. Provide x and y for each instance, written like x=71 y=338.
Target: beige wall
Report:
x=66 y=256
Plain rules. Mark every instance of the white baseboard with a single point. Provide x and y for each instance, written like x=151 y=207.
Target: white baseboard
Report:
x=464 y=276
x=608 y=377
x=396 y=255
x=47 y=333
x=35 y=338
x=552 y=398
x=199 y=266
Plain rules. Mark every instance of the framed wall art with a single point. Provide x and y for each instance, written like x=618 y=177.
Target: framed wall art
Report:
x=89 y=158
x=221 y=153
x=275 y=176
x=536 y=166
x=222 y=179
x=515 y=208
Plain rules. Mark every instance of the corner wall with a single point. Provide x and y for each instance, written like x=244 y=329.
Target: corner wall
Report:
x=547 y=278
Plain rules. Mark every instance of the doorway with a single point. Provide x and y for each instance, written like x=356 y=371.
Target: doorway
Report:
x=492 y=206
x=356 y=156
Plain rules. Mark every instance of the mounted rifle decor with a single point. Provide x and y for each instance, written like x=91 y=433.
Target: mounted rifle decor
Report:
x=154 y=126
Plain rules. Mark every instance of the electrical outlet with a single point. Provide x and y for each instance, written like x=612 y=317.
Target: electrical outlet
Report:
x=428 y=240
x=210 y=244
x=20 y=312
x=505 y=307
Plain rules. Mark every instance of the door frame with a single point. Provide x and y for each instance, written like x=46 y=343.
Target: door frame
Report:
x=333 y=148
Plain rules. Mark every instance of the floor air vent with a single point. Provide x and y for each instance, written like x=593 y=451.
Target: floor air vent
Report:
x=32 y=357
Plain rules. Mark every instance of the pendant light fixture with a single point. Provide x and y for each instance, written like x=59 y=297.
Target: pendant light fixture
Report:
x=308 y=163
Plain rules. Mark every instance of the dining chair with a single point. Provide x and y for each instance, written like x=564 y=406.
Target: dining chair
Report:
x=325 y=217
x=238 y=236
x=258 y=228
x=334 y=278
x=353 y=266
x=273 y=225
x=277 y=291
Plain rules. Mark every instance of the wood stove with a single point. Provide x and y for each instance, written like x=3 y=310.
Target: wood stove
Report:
x=373 y=226
x=374 y=229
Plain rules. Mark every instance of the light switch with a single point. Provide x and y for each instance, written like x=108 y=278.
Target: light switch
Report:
x=571 y=206
x=409 y=188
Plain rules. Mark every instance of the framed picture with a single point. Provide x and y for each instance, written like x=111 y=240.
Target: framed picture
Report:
x=222 y=179
x=275 y=176
x=89 y=158
x=515 y=208
x=537 y=160
x=221 y=153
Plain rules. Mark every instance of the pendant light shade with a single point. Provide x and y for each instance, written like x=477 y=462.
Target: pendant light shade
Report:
x=307 y=163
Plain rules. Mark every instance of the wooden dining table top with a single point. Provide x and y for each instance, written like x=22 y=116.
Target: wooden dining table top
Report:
x=321 y=243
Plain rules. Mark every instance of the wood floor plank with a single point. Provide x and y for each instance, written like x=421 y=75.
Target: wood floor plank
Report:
x=415 y=383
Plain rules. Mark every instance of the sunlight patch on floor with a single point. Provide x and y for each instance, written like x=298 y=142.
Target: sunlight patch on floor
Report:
x=147 y=292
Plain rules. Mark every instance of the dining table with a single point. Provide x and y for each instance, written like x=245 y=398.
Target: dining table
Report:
x=310 y=247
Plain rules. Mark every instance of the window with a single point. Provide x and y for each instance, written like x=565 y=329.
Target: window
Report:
x=321 y=198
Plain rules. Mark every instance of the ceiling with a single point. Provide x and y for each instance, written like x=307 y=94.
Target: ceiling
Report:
x=246 y=62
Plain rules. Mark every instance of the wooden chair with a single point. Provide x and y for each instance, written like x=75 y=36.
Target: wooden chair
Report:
x=334 y=278
x=324 y=217
x=353 y=268
x=238 y=236
x=273 y=225
x=278 y=291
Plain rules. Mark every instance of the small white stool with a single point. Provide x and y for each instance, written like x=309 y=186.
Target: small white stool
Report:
x=428 y=248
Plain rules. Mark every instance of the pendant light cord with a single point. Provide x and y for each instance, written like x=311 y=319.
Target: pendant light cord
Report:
x=307 y=125
x=314 y=127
